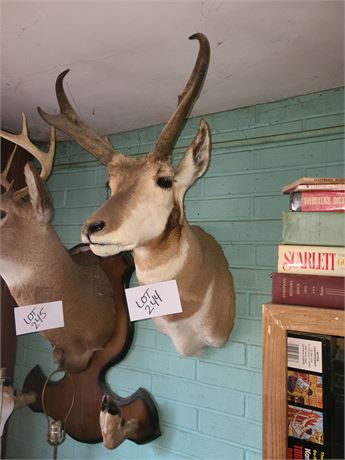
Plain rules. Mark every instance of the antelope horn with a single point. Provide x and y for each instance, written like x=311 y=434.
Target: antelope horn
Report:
x=23 y=140
x=186 y=100
x=69 y=122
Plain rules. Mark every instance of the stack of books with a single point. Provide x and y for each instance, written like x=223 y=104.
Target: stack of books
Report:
x=311 y=258
x=311 y=272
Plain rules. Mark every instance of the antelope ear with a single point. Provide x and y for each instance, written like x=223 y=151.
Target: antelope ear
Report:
x=40 y=197
x=195 y=161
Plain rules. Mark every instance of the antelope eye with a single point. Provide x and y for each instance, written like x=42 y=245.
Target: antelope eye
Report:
x=164 y=182
x=3 y=214
x=107 y=189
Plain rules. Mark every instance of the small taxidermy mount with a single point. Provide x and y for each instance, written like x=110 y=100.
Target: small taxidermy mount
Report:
x=147 y=194
x=85 y=422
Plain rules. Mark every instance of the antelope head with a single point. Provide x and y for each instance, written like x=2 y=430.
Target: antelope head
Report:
x=145 y=214
x=146 y=203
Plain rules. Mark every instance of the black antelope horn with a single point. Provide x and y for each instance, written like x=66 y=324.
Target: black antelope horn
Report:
x=69 y=122
x=186 y=100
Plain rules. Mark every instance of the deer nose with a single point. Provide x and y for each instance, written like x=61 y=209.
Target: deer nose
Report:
x=95 y=227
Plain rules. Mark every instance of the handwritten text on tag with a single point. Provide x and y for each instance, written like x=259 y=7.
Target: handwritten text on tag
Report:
x=152 y=300
x=38 y=317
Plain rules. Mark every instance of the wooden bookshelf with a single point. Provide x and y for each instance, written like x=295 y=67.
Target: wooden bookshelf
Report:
x=277 y=321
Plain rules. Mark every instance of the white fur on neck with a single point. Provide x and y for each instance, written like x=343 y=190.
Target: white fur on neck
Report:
x=188 y=336
x=165 y=271
x=14 y=273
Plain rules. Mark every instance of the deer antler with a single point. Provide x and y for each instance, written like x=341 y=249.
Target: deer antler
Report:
x=189 y=95
x=3 y=176
x=22 y=139
x=69 y=122
x=4 y=182
x=9 y=162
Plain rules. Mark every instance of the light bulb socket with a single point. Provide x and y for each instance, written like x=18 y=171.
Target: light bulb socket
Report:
x=56 y=434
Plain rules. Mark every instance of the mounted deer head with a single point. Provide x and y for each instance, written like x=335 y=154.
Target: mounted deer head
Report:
x=37 y=268
x=145 y=214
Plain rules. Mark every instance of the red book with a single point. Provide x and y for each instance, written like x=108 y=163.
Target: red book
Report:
x=309 y=290
x=318 y=201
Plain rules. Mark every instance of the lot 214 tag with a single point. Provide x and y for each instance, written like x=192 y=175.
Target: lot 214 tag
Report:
x=152 y=300
x=38 y=317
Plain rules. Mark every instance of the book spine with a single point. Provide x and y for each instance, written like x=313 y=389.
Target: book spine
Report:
x=318 y=181
x=318 y=201
x=311 y=260
x=338 y=409
x=309 y=187
x=308 y=290
x=297 y=450
x=314 y=228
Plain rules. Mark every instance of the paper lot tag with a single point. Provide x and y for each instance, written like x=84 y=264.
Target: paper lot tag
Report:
x=38 y=317
x=152 y=300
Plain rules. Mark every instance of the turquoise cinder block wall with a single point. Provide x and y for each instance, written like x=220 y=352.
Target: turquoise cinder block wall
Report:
x=210 y=407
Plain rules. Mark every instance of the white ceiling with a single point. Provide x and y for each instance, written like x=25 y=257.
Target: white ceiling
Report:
x=129 y=60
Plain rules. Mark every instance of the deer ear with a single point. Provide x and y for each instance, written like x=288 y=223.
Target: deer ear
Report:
x=40 y=197
x=195 y=161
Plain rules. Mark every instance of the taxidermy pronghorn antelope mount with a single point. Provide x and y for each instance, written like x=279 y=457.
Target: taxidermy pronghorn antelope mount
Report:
x=37 y=268
x=145 y=214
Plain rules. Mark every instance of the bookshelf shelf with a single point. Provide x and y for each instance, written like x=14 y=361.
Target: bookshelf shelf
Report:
x=277 y=321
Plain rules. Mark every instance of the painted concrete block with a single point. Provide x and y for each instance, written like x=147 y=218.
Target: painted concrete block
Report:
x=236 y=429
x=198 y=394
x=236 y=378
x=159 y=362
x=202 y=447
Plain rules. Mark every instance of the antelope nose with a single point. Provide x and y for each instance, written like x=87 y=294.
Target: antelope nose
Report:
x=95 y=227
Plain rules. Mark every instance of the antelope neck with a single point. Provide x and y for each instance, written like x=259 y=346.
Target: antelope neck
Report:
x=163 y=260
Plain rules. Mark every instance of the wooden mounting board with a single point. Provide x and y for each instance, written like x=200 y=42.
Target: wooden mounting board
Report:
x=90 y=386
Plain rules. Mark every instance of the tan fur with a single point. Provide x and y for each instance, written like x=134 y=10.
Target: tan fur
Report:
x=10 y=401
x=145 y=214
x=150 y=221
x=37 y=269
x=20 y=400
x=115 y=429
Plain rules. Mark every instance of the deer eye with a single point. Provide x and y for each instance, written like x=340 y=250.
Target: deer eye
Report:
x=3 y=214
x=164 y=182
